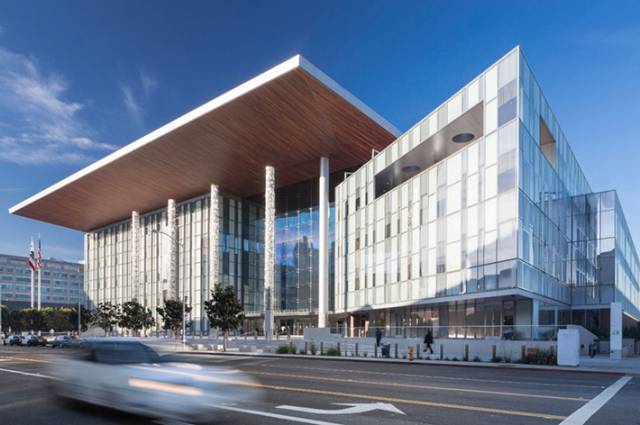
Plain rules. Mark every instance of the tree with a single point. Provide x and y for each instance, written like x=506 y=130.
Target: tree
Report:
x=86 y=318
x=135 y=316
x=57 y=319
x=171 y=315
x=106 y=316
x=33 y=319
x=224 y=311
x=4 y=311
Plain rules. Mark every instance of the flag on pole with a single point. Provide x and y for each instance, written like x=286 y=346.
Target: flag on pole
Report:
x=39 y=254
x=32 y=257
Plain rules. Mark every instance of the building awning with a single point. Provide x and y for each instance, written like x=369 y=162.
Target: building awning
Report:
x=287 y=117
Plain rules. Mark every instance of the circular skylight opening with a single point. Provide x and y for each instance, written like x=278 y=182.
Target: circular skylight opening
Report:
x=410 y=168
x=463 y=137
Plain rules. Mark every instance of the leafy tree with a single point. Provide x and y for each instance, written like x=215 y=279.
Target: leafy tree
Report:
x=135 y=316
x=224 y=311
x=86 y=318
x=33 y=319
x=106 y=316
x=17 y=321
x=171 y=315
x=4 y=311
x=57 y=319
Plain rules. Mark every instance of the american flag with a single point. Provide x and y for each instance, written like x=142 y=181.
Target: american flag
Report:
x=32 y=257
x=39 y=254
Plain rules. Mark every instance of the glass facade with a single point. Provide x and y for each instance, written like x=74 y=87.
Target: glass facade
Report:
x=110 y=273
x=61 y=282
x=509 y=210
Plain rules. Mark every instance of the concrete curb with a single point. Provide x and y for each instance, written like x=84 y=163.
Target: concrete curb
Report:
x=513 y=366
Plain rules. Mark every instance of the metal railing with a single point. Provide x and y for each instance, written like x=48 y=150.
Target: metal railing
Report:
x=505 y=332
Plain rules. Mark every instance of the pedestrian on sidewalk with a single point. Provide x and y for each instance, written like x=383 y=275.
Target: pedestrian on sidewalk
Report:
x=378 y=337
x=428 y=340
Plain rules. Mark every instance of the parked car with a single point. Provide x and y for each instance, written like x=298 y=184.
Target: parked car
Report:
x=65 y=341
x=132 y=377
x=12 y=340
x=34 y=341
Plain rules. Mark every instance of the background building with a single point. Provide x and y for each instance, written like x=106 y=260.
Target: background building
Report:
x=62 y=282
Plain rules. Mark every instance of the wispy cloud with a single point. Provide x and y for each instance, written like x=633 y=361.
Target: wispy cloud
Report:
x=39 y=124
x=132 y=105
x=148 y=82
x=136 y=94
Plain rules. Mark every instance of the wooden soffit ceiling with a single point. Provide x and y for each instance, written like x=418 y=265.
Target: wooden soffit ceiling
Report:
x=288 y=117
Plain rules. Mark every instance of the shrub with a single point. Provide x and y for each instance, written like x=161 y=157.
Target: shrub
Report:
x=333 y=352
x=313 y=349
x=282 y=349
x=455 y=359
x=496 y=359
x=542 y=357
x=364 y=354
x=476 y=359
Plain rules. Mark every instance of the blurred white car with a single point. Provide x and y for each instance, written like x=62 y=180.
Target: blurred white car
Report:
x=129 y=376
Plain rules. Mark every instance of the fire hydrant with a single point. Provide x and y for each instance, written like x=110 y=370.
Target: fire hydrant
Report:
x=410 y=353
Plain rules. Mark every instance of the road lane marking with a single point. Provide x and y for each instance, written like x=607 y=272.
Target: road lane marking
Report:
x=416 y=386
x=353 y=408
x=35 y=375
x=24 y=359
x=391 y=399
x=452 y=378
x=276 y=415
x=583 y=414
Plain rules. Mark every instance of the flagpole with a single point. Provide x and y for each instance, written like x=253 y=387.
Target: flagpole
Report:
x=32 y=274
x=39 y=272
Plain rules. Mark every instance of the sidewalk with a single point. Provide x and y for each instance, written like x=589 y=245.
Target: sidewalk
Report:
x=587 y=365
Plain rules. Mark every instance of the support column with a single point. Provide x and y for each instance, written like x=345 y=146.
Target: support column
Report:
x=214 y=238
x=172 y=232
x=269 y=247
x=323 y=244
x=615 y=332
x=535 y=318
x=135 y=248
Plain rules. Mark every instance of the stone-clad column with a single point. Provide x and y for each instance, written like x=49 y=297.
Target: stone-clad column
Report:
x=172 y=232
x=87 y=266
x=323 y=253
x=269 y=247
x=214 y=238
x=135 y=259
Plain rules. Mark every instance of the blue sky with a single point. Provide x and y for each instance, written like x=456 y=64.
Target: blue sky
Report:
x=79 y=79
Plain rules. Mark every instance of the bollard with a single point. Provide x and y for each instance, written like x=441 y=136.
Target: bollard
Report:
x=356 y=349
x=523 y=352
x=441 y=351
x=418 y=355
x=375 y=350
x=322 y=348
x=466 y=352
x=396 y=350
x=410 y=353
x=338 y=347
x=306 y=345
x=493 y=352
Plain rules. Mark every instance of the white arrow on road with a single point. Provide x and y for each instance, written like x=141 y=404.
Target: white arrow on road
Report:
x=354 y=408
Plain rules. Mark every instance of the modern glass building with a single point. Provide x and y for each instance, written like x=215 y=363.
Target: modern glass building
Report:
x=62 y=282
x=477 y=218
x=480 y=217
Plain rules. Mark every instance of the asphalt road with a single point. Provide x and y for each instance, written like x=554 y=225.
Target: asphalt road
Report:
x=308 y=391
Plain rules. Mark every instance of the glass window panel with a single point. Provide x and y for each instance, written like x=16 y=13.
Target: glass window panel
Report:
x=491 y=182
x=491 y=116
x=453 y=198
x=472 y=189
x=490 y=149
x=490 y=216
x=453 y=256
x=454 y=168
x=453 y=227
x=507 y=241
x=472 y=159
x=490 y=247
x=473 y=93
x=491 y=83
x=454 y=108
x=472 y=221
